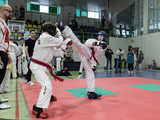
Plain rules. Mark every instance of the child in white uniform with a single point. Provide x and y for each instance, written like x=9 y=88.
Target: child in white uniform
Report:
x=89 y=52
x=46 y=47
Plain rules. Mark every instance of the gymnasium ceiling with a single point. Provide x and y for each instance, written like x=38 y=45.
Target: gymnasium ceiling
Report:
x=94 y=5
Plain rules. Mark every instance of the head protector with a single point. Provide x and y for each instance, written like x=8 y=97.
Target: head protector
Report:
x=49 y=27
x=104 y=35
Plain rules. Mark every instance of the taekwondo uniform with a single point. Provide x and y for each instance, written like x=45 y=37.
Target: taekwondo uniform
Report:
x=88 y=55
x=44 y=50
x=22 y=61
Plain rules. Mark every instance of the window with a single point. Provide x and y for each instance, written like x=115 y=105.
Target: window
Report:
x=123 y=32
x=93 y=15
x=118 y=32
x=34 y=7
x=127 y=32
x=53 y=10
x=28 y=7
x=43 y=9
x=3 y=2
x=38 y=7
x=84 y=13
x=78 y=12
x=58 y=10
x=96 y=15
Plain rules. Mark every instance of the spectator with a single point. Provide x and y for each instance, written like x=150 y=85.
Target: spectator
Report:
x=108 y=54
x=130 y=60
x=119 y=57
x=140 y=59
x=74 y=24
x=59 y=25
x=29 y=52
x=68 y=54
x=22 y=61
x=135 y=61
x=11 y=68
x=103 y=21
x=14 y=52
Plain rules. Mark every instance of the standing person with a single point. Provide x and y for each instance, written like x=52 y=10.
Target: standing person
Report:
x=103 y=21
x=68 y=54
x=108 y=54
x=22 y=61
x=5 y=11
x=130 y=60
x=14 y=52
x=89 y=52
x=140 y=59
x=44 y=51
x=11 y=68
x=29 y=52
x=119 y=57
x=135 y=61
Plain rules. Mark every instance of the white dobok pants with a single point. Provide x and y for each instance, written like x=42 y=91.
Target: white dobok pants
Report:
x=4 y=87
x=22 y=65
x=13 y=57
x=58 y=63
x=85 y=54
x=42 y=76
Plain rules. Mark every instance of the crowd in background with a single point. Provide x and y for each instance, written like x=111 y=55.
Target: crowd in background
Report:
x=133 y=59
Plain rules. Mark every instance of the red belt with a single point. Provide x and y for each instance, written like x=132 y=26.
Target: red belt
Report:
x=48 y=67
x=93 y=55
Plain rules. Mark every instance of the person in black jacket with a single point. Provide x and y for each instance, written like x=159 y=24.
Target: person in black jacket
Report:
x=108 y=54
x=29 y=52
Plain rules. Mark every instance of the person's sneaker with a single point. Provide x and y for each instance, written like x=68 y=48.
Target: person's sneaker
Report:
x=129 y=72
x=4 y=106
x=38 y=112
x=2 y=100
x=94 y=68
x=53 y=99
x=30 y=83
x=93 y=95
x=80 y=73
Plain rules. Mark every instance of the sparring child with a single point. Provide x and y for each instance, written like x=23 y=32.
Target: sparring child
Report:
x=45 y=48
x=89 y=52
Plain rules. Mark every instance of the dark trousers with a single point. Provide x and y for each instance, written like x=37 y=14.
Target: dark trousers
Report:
x=29 y=73
x=118 y=66
x=130 y=67
x=109 y=64
x=4 y=59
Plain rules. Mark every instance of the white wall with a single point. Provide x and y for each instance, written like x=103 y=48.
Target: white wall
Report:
x=115 y=44
x=150 y=45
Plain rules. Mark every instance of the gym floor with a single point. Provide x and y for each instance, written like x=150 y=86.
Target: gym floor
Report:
x=20 y=110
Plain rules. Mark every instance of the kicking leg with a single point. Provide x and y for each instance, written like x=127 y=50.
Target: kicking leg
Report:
x=81 y=48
